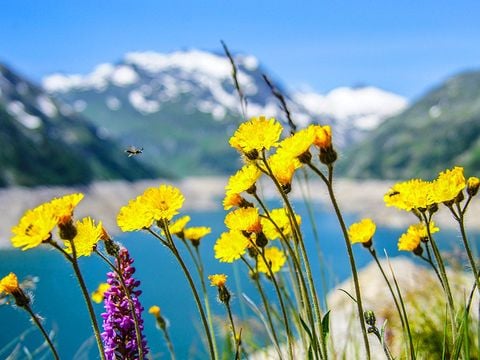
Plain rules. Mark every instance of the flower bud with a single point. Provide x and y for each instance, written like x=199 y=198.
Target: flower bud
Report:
x=370 y=317
x=328 y=156
x=68 y=231
x=223 y=294
x=473 y=184
x=261 y=240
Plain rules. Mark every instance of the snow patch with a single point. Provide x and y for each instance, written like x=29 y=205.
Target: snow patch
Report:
x=141 y=104
x=124 y=75
x=17 y=110
x=113 y=103
x=366 y=107
x=249 y=61
x=435 y=111
x=46 y=106
x=99 y=79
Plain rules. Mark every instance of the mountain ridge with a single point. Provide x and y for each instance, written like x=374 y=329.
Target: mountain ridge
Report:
x=439 y=130
x=155 y=99
x=42 y=145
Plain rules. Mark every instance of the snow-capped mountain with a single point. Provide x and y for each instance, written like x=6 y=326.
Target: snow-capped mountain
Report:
x=43 y=145
x=184 y=104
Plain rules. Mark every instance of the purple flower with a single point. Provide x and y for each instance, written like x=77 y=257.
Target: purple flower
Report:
x=119 y=335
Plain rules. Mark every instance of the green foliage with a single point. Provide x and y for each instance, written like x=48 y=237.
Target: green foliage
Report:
x=439 y=130
x=63 y=150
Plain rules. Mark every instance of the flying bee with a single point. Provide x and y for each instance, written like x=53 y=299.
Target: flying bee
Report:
x=133 y=151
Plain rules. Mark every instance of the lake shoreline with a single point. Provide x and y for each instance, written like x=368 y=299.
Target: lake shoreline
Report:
x=103 y=200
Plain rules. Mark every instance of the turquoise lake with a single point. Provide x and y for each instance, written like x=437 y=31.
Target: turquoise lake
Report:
x=58 y=299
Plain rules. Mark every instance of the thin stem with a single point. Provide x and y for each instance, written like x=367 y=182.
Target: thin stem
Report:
x=329 y=183
x=443 y=273
x=91 y=312
x=297 y=234
x=205 y=294
x=461 y=223
x=237 y=340
x=42 y=330
x=138 y=334
x=74 y=261
x=403 y=312
x=171 y=246
x=267 y=308
x=280 y=298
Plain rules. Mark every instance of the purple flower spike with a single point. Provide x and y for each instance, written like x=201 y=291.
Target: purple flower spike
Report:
x=119 y=335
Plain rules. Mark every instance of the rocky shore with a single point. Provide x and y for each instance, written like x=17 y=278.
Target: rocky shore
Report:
x=103 y=200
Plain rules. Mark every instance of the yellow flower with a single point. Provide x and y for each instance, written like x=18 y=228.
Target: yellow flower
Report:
x=196 y=233
x=323 y=136
x=409 y=241
x=298 y=143
x=275 y=258
x=243 y=180
x=163 y=202
x=232 y=200
x=362 y=232
x=473 y=183
x=281 y=220
x=88 y=234
x=412 y=194
x=178 y=225
x=9 y=284
x=63 y=207
x=255 y=135
x=134 y=216
x=34 y=227
x=420 y=229
x=230 y=246
x=154 y=310
x=99 y=294
x=449 y=184
x=283 y=167
x=218 y=280
x=244 y=219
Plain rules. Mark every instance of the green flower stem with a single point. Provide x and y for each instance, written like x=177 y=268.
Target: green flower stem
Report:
x=138 y=334
x=169 y=343
x=298 y=270
x=400 y=308
x=297 y=233
x=197 y=261
x=177 y=255
x=333 y=199
x=460 y=217
x=42 y=330
x=205 y=296
x=267 y=307
x=443 y=273
x=74 y=261
x=237 y=339
x=261 y=251
x=91 y=312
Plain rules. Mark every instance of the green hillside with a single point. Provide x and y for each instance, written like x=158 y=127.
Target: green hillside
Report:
x=43 y=145
x=438 y=131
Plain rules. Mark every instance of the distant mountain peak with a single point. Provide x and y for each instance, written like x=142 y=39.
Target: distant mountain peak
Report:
x=193 y=90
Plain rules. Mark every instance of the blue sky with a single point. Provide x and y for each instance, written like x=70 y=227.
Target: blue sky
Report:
x=402 y=46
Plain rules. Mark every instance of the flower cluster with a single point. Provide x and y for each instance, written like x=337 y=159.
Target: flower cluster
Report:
x=121 y=302
x=362 y=232
x=417 y=194
x=415 y=235
x=37 y=226
x=154 y=205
